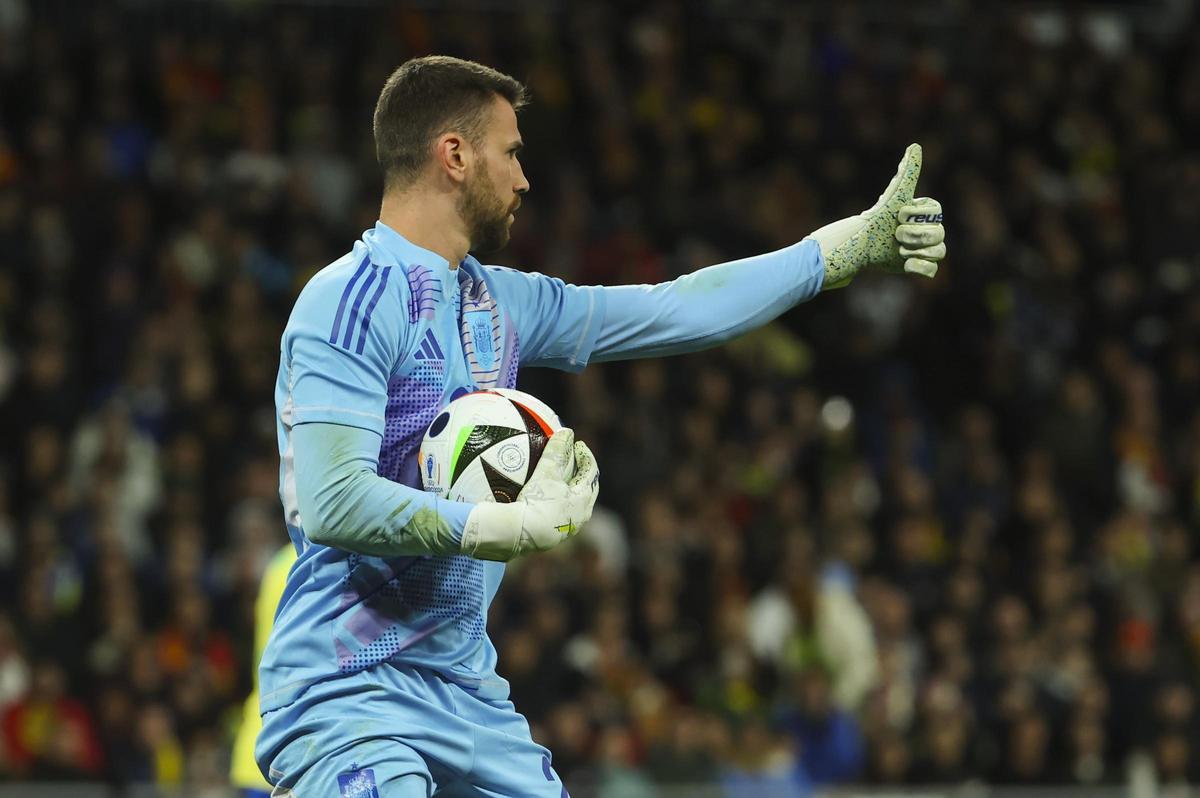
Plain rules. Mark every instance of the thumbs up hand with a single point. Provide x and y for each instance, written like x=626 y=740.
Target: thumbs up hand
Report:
x=897 y=234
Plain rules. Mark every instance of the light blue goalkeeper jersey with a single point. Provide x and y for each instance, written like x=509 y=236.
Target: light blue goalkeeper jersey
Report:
x=383 y=339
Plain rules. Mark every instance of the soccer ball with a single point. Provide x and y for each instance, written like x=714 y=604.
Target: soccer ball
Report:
x=485 y=445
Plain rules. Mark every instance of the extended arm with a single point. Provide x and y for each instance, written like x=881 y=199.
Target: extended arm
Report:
x=567 y=326
x=707 y=307
x=713 y=305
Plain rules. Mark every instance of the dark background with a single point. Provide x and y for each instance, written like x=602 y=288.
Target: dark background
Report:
x=995 y=473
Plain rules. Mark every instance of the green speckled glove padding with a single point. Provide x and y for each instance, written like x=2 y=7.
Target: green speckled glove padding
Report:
x=898 y=234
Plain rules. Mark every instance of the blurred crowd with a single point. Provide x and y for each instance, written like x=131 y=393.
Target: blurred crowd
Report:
x=915 y=532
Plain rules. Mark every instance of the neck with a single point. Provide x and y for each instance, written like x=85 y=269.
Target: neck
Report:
x=428 y=219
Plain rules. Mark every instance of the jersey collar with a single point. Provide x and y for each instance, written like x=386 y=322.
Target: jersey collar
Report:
x=387 y=245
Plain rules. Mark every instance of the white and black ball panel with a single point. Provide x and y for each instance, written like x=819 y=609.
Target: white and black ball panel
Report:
x=471 y=486
x=533 y=404
x=485 y=445
x=481 y=440
x=540 y=421
x=481 y=479
x=439 y=424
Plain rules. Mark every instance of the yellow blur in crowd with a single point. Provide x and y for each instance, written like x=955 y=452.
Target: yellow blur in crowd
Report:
x=243 y=772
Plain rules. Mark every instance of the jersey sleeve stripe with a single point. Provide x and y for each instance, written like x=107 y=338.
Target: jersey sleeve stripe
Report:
x=337 y=319
x=366 y=321
x=358 y=300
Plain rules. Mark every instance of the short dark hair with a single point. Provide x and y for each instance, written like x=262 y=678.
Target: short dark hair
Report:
x=426 y=97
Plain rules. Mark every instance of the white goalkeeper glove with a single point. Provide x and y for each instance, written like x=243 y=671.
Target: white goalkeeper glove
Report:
x=897 y=234
x=555 y=502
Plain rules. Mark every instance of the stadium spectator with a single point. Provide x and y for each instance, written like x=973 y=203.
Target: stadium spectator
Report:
x=827 y=737
x=49 y=734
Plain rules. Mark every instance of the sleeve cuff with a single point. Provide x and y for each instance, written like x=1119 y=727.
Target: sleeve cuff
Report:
x=814 y=283
x=455 y=514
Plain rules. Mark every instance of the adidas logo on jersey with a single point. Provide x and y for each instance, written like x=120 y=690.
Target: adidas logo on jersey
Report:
x=429 y=349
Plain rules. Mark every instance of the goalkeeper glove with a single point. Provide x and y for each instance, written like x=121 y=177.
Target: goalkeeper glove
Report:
x=555 y=502
x=897 y=234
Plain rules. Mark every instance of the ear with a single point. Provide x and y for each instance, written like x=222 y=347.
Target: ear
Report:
x=452 y=154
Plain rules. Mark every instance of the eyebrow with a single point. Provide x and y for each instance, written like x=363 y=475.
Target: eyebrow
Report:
x=515 y=147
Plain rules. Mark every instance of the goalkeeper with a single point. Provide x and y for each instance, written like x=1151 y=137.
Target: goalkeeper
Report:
x=379 y=678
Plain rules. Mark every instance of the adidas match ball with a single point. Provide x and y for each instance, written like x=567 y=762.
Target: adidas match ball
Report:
x=485 y=445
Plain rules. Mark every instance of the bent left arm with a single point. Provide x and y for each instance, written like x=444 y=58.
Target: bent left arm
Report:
x=707 y=307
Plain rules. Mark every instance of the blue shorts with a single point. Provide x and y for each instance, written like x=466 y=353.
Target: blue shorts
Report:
x=397 y=731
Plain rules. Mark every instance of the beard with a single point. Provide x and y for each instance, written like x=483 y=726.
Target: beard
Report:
x=485 y=215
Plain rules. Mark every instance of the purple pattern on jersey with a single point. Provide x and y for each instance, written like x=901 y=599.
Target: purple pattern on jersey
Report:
x=512 y=353
x=367 y=575
x=413 y=402
x=390 y=640
x=425 y=291
x=445 y=591
x=367 y=627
